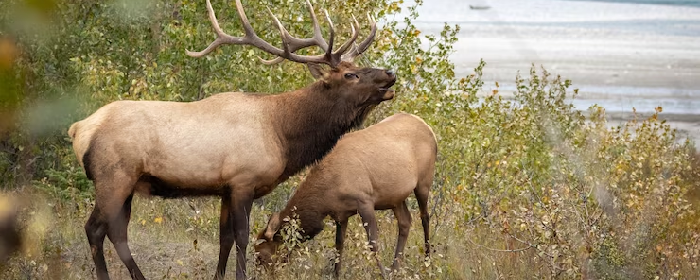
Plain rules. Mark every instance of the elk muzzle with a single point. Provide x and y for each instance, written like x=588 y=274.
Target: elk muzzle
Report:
x=386 y=89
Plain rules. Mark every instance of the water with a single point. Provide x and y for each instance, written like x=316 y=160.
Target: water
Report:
x=620 y=53
x=693 y=3
x=687 y=28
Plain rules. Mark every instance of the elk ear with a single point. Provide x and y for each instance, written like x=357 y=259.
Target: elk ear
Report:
x=317 y=70
x=272 y=226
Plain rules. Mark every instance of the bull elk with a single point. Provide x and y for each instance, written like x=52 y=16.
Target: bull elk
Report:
x=234 y=145
x=376 y=168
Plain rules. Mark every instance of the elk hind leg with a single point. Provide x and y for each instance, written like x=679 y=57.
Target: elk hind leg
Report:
x=117 y=233
x=96 y=231
x=422 y=193
x=110 y=217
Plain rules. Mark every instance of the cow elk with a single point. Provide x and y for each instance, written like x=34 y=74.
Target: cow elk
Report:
x=376 y=168
x=234 y=145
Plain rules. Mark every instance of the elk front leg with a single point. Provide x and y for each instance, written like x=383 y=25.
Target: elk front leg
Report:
x=369 y=222
x=403 y=218
x=242 y=203
x=340 y=229
x=226 y=236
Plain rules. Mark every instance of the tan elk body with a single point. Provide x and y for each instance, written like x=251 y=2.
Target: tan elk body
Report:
x=376 y=168
x=235 y=145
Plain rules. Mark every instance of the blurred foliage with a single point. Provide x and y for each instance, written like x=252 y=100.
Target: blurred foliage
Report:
x=525 y=184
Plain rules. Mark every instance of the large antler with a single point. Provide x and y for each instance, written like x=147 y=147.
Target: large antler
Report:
x=290 y=44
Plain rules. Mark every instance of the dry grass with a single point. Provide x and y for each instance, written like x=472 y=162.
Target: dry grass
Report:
x=178 y=239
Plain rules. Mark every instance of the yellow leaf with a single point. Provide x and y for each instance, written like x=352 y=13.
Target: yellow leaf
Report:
x=143 y=222
x=158 y=220
x=419 y=59
x=8 y=53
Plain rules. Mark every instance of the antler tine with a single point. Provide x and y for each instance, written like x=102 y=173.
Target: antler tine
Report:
x=344 y=48
x=370 y=38
x=296 y=44
x=354 y=45
x=318 y=36
x=273 y=61
x=283 y=32
x=364 y=45
x=249 y=31
x=329 y=50
x=222 y=37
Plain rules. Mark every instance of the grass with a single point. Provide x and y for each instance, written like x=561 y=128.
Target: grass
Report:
x=178 y=239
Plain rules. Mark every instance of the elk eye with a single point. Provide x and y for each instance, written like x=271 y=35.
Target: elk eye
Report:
x=351 y=76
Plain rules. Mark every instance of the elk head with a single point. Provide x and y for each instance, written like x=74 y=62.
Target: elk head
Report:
x=268 y=241
x=347 y=80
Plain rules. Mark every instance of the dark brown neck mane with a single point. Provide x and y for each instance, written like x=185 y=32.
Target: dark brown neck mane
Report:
x=311 y=121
